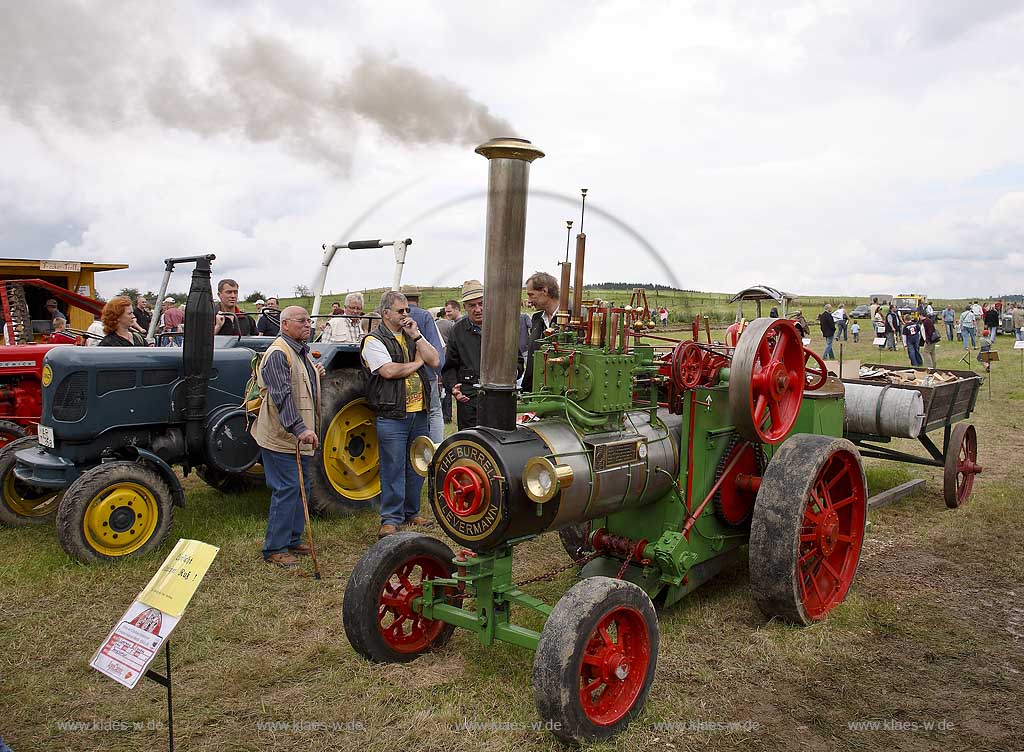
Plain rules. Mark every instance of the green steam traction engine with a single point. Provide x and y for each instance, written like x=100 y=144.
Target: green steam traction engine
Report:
x=662 y=465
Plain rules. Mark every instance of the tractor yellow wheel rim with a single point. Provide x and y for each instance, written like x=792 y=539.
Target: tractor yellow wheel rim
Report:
x=350 y=452
x=26 y=500
x=120 y=519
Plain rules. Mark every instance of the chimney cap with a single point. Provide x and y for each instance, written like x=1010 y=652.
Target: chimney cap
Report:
x=509 y=148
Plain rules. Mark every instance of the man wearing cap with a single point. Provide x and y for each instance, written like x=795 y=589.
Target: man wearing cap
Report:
x=399 y=360
x=428 y=328
x=52 y=311
x=462 y=357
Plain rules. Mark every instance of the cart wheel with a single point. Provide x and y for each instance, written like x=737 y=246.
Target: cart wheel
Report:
x=22 y=503
x=9 y=432
x=808 y=528
x=961 y=465
x=114 y=510
x=766 y=380
x=377 y=612
x=595 y=660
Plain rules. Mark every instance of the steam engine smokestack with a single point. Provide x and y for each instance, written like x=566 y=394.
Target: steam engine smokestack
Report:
x=507 y=185
x=198 y=352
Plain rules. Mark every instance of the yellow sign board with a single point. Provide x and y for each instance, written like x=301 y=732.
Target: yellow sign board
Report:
x=174 y=584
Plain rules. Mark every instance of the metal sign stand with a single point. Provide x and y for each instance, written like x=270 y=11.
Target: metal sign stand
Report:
x=166 y=682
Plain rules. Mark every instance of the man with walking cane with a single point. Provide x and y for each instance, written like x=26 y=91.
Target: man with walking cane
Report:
x=286 y=431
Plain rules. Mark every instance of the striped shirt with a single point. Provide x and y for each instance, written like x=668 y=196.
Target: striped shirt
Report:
x=277 y=375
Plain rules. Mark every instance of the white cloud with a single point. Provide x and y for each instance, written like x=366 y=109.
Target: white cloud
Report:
x=812 y=146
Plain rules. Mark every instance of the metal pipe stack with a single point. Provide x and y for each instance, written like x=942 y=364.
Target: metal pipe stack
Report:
x=507 y=186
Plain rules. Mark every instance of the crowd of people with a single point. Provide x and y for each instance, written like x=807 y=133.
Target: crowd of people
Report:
x=919 y=330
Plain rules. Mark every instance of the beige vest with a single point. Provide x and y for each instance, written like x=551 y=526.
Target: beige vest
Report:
x=267 y=430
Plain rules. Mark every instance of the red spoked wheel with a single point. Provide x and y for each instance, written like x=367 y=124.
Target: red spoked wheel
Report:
x=766 y=381
x=404 y=630
x=463 y=491
x=596 y=659
x=614 y=664
x=961 y=465
x=808 y=528
x=687 y=364
x=380 y=614
x=815 y=372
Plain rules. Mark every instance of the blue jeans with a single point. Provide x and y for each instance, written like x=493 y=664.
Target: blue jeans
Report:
x=436 y=415
x=949 y=330
x=828 y=354
x=968 y=331
x=841 y=331
x=914 y=351
x=286 y=521
x=1020 y=334
x=400 y=486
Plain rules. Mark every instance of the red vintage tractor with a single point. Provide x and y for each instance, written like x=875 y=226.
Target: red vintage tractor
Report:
x=26 y=342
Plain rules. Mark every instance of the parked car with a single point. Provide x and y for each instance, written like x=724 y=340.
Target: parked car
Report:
x=862 y=311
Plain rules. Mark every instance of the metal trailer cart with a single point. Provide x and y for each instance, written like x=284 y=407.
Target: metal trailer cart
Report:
x=944 y=406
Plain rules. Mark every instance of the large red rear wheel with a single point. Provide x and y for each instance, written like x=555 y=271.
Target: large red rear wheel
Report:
x=766 y=380
x=808 y=528
x=596 y=659
x=380 y=615
x=961 y=465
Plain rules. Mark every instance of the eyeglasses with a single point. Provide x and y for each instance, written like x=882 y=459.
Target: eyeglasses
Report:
x=399 y=310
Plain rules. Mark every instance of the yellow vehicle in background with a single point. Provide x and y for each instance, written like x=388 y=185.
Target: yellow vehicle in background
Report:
x=909 y=302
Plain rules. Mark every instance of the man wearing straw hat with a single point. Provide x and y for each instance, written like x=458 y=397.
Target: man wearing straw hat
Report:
x=462 y=356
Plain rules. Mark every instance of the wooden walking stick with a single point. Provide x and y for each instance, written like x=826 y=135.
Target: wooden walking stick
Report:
x=305 y=511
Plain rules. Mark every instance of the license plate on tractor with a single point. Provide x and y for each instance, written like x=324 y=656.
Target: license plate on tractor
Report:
x=45 y=436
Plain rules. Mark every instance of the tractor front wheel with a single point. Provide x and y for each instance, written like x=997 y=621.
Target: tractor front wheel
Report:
x=22 y=503
x=595 y=660
x=114 y=510
x=380 y=620
x=808 y=528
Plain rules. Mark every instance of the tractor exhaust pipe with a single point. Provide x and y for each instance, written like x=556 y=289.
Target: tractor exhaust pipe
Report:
x=507 y=186
x=198 y=353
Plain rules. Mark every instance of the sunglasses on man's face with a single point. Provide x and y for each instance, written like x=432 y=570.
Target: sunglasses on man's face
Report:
x=400 y=310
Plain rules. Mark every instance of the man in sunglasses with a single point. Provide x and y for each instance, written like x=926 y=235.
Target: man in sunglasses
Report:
x=399 y=361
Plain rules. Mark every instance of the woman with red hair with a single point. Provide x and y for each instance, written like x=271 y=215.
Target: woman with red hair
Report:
x=118 y=319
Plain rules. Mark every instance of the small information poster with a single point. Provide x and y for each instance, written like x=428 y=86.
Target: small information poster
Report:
x=132 y=645
x=1018 y=345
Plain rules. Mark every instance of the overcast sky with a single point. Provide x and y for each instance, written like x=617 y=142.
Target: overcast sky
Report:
x=820 y=147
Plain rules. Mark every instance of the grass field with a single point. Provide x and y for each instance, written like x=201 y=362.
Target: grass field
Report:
x=929 y=645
